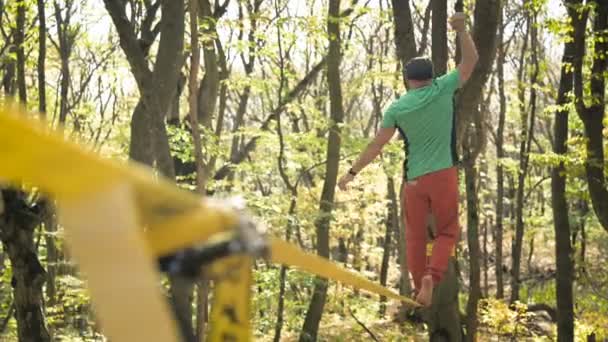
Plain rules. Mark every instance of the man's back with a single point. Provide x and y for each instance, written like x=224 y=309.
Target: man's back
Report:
x=425 y=119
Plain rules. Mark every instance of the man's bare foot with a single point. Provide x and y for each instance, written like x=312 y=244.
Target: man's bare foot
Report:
x=425 y=295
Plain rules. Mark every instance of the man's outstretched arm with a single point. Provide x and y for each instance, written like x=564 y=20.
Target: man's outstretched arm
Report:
x=469 y=55
x=368 y=155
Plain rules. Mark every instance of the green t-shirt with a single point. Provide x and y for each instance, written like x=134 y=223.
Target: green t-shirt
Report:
x=425 y=119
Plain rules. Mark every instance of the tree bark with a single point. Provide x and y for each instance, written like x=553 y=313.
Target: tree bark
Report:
x=516 y=246
x=18 y=222
x=283 y=274
x=149 y=141
x=527 y=134
x=439 y=45
x=209 y=85
x=322 y=223
x=392 y=224
x=405 y=39
x=19 y=43
x=194 y=96
x=66 y=36
x=474 y=249
x=500 y=153
x=157 y=88
x=593 y=115
x=564 y=278
x=52 y=254
x=193 y=99
x=405 y=287
x=486 y=286
x=486 y=16
x=41 y=59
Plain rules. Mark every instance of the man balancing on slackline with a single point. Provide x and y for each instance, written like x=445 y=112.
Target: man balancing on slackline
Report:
x=425 y=119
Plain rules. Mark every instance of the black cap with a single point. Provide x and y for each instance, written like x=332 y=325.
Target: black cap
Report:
x=419 y=69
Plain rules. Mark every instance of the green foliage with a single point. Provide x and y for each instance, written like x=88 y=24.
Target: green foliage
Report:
x=370 y=81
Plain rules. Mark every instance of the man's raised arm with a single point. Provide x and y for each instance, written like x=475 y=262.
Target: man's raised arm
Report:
x=469 y=56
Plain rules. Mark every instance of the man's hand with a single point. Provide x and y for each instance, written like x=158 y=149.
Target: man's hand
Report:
x=347 y=178
x=468 y=49
x=458 y=22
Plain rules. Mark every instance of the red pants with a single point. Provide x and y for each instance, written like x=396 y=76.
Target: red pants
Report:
x=437 y=194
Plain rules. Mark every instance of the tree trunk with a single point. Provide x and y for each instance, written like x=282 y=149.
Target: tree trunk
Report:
x=392 y=224
x=405 y=39
x=593 y=115
x=486 y=286
x=474 y=250
x=498 y=235
x=222 y=101
x=209 y=85
x=202 y=309
x=563 y=246
x=564 y=278
x=439 y=45
x=283 y=274
x=50 y=225
x=193 y=99
x=18 y=222
x=140 y=145
x=8 y=81
x=486 y=17
x=149 y=140
x=66 y=36
x=527 y=134
x=322 y=223
x=20 y=42
x=41 y=59
x=405 y=285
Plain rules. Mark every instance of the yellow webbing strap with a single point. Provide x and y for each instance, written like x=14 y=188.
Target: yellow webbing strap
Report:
x=173 y=218
x=285 y=253
x=31 y=153
x=230 y=312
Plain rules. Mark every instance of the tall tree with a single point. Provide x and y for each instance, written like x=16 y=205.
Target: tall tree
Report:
x=439 y=45
x=593 y=114
x=157 y=86
x=41 y=58
x=20 y=46
x=405 y=38
x=472 y=200
x=527 y=121
x=193 y=101
x=322 y=223
x=563 y=245
x=19 y=218
x=8 y=67
x=500 y=132
x=66 y=36
x=486 y=18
